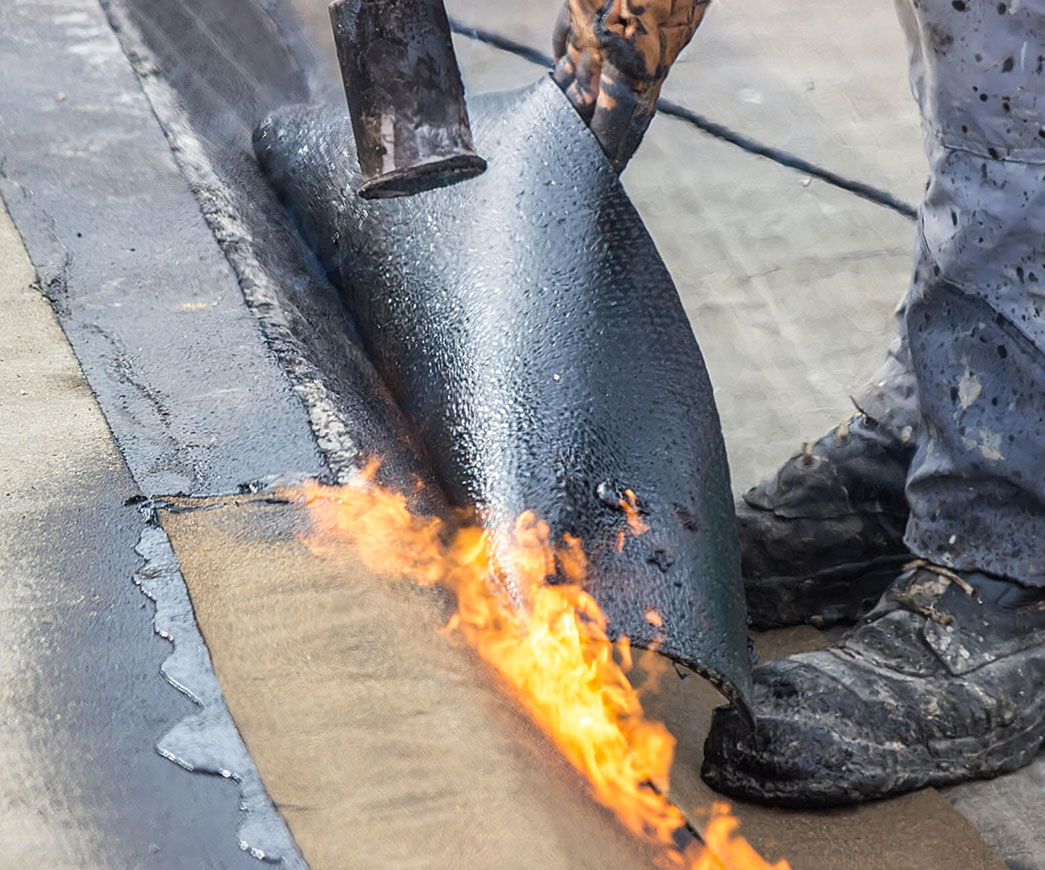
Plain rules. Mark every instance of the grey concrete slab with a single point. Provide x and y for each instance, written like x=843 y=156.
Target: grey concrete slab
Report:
x=82 y=700
x=147 y=298
x=829 y=83
x=789 y=289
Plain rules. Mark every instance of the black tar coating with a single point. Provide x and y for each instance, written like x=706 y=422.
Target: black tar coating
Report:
x=527 y=327
x=142 y=290
x=148 y=302
x=227 y=63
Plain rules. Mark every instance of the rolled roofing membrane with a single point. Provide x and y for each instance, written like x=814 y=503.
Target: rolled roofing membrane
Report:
x=528 y=329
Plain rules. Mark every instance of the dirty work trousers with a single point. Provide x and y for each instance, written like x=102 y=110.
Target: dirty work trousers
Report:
x=966 y=377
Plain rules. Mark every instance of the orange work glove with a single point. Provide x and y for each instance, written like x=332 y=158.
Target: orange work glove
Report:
x=612 y=57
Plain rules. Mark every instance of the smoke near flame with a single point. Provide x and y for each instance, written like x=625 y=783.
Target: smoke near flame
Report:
x=548 y=643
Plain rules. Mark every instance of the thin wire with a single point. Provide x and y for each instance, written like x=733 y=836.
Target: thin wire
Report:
x=719 y=131
x=505 y=43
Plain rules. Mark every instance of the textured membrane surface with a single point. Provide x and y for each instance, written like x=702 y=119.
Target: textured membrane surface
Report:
x=527 y=327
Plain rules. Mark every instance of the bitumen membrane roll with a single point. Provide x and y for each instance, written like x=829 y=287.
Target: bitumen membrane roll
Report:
x=609 y=394
x=531 y=335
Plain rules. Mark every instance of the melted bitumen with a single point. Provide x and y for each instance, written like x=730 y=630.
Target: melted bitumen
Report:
x=208 y=741
x=192 y=395
x=91 y=690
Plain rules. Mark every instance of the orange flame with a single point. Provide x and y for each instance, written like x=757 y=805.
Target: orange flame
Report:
x=549 y=645
x=630 y=505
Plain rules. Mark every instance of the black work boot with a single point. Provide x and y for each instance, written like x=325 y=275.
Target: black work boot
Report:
x=944 y=681
x=822 y=539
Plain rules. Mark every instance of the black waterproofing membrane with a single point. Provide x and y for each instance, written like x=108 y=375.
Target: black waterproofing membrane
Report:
x=529 y=331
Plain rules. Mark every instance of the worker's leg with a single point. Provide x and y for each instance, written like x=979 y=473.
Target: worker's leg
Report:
x=821 y=536
x=977 y=333
x=974 y=315
x=944 y=680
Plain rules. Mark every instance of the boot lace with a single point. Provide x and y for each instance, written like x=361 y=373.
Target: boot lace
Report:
x=946 y=573
x=841 y=437
x=917 y=602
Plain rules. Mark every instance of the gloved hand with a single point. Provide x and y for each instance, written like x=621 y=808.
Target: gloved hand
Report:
x=612 y=57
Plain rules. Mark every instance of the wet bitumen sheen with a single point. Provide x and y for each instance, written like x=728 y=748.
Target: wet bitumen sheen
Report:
x=99 y=699
x=82 y=700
